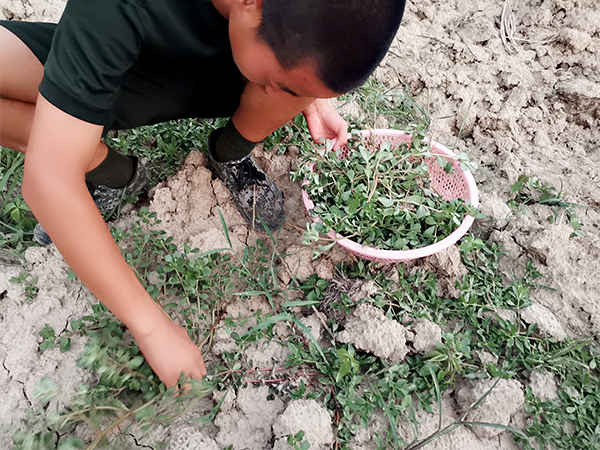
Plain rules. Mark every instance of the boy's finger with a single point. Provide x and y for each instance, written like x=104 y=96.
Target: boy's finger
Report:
x=340 y=141
x=185 y=389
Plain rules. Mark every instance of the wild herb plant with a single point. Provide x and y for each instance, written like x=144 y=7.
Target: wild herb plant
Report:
x=127 y=391
x=522 y=349
x=16 y=220
x=354 y=385
x=165 y=146
x=379 y=103
x=381 y=197
x=28 y=282
x=297 y=442
x=289 y=134
x=529 y=190
x=195 y=289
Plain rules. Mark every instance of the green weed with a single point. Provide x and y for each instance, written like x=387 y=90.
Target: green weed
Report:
x=297 y=441
x=353 y=384
x=16 y=220
x=49 y=339
x=29 y=284
x=529 y=190
x=126 y=391
x=164 y=146
x=383 y=199
x=289 y=134
x=394 y=105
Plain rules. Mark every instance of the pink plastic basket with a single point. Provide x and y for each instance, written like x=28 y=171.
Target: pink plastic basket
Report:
x=458 y=184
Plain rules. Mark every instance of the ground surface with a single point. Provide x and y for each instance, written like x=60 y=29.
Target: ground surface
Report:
x=534 y=111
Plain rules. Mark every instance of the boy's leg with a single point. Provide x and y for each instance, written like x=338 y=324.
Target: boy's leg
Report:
x=256 y=196
x=109 y=174
x=21 y=73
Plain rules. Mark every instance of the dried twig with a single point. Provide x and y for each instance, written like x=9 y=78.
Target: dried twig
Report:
x=507 y=28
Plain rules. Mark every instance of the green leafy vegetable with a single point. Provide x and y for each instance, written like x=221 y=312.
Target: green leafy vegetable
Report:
x=381 y=195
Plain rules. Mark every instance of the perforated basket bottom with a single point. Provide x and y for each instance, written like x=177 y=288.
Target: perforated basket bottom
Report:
x=457 y=184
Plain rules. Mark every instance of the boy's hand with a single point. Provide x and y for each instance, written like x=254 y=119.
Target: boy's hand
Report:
x=169 y=351
x=325 y=123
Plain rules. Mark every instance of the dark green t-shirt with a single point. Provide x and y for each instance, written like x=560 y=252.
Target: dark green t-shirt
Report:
x=98 y=41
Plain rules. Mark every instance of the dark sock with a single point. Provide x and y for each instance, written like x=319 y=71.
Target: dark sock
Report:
x=230 y=144
x=115 y=171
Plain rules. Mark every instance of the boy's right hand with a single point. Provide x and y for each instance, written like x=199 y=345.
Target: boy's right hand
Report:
x=169 y=351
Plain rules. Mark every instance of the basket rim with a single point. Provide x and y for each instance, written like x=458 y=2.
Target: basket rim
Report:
x=376 y=254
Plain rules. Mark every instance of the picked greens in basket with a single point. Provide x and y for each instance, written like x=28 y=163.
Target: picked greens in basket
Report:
x=380 y=195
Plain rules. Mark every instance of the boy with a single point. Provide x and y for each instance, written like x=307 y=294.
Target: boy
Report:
x=118 y=64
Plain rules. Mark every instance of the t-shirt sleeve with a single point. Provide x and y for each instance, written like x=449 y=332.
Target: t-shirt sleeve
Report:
x=95 y=43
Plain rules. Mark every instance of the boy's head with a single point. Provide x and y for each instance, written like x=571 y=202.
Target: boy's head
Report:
x=346 y=39
x=314 y=48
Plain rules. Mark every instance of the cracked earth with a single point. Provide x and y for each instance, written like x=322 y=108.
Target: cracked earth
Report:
x=534 y=112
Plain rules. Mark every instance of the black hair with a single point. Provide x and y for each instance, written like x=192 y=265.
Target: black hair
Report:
x=346 y=38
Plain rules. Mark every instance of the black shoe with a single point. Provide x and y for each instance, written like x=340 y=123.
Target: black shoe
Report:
x=255 y=195
x=107 y=199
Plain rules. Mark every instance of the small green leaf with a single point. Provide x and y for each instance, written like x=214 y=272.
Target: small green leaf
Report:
x=65 y=344
x=448 y=167
x=519 y=184
x=296 y=303
x=76 y=324
x=47 y=332
x=145 y=413
x=46 y=345
x=441 y=161
x=386 y=202
x=72 y=443
x=44 y=390
x=135 y=362
x=421 y=212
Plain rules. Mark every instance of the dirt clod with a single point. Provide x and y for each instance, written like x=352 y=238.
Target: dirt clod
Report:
x=307 y=416
x=543 y=385
x=499 y=406
x=426 y=335
x=370 y=330
x=547 y=322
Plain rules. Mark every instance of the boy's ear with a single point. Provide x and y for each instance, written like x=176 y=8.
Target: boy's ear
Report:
x=252 y=4
x=252 y=9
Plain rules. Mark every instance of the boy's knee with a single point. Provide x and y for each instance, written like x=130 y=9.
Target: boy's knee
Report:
x=21 y=71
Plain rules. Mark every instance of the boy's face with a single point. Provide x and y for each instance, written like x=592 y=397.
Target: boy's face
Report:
x=258 y=63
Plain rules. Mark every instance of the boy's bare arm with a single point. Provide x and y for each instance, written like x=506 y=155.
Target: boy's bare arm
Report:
x=260 y=113
x=59 y=153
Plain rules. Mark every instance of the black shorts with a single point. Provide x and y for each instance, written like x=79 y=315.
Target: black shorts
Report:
x=154 y=91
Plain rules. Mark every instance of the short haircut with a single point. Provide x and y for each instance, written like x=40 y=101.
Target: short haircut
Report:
x=346 y=38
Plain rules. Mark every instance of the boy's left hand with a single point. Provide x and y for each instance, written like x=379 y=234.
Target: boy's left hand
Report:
x=325 y=123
